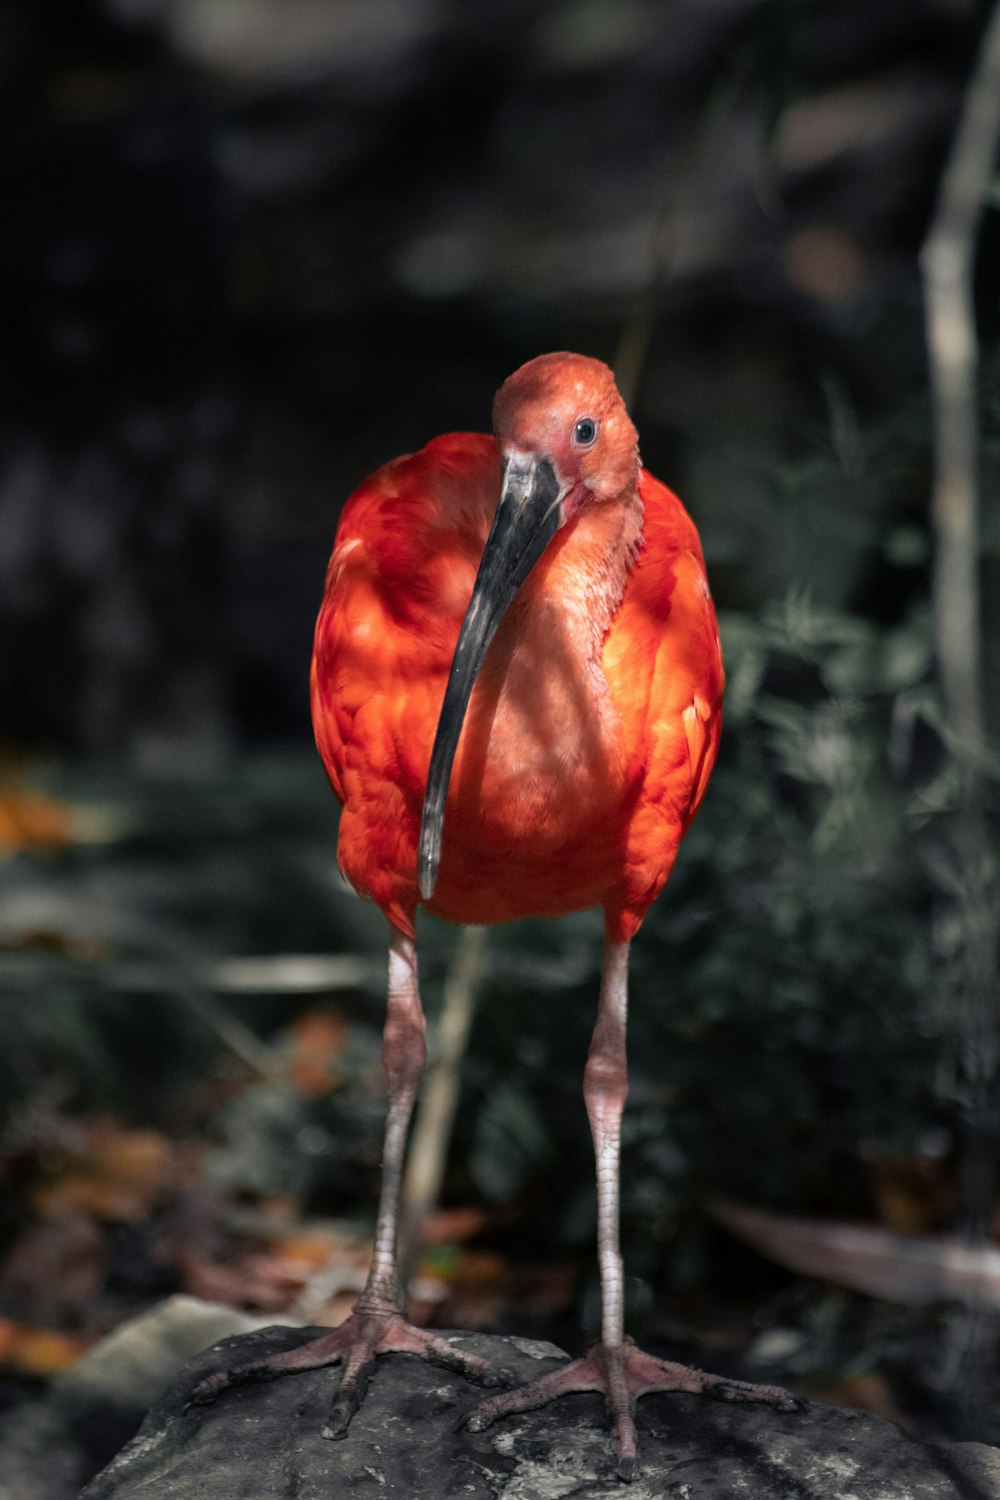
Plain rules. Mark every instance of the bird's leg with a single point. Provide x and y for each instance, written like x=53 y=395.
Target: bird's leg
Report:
x=404 y=1057
x=615 y=1366
x=376 y=1325
x=605 y=1089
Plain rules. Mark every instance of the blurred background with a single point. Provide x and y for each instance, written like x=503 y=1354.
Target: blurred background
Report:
x=254 y=248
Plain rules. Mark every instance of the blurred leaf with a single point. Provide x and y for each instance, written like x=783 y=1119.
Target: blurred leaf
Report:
x=29 y=821
x=317 y=1039
x=115 y=1174
x=39 y=1351
x=265 y=1283
x=447 y=1225
x=900 y=1268
x=907 y=547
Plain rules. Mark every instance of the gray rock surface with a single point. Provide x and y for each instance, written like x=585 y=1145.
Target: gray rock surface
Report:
x=50 y=1446
x=262 y=1443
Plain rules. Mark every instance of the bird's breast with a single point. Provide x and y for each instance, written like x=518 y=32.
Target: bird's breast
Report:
x=542 y=754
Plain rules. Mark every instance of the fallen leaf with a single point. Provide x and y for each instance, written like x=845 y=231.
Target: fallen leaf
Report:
x=312 y=1251
x=452 y=1225
x=29 y=820
x=39 y=1351
x=115 y=1174
x=901 y=1268
x=253 y=1283
x=317 y=1038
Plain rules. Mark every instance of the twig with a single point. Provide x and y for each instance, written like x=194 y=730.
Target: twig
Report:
x=236 y=1038
x=947 y=262
x=436 y=1112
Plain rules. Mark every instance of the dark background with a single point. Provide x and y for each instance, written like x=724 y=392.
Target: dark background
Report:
x=251 y=250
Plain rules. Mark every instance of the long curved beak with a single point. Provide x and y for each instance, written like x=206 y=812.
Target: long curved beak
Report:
x=527 y=519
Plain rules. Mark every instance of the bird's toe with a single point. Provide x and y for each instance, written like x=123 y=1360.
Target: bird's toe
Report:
x=207 y=1389
x=479 y=1419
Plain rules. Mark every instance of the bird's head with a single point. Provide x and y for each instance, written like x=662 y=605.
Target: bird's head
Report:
x=565 y=441
x=565 y=410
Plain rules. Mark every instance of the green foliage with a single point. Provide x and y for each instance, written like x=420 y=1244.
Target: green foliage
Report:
x=809 y=970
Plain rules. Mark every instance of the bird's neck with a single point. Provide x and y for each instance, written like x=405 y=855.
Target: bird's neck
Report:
x=541 y=712
x=585 y=571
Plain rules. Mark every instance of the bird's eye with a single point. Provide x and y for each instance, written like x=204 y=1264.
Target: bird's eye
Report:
x=585 y=432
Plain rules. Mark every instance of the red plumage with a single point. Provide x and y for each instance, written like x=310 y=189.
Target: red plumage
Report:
x=584 y=798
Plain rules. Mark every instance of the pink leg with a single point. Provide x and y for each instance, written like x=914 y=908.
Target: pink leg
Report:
x=614 y=1365
x=605 y=1089
x=376 y=1326
x=404 y=1057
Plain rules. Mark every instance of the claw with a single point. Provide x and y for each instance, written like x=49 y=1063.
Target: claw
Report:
x=202 y=1395
x=212 y=1386
x=352 y=1391
x=339 y=1420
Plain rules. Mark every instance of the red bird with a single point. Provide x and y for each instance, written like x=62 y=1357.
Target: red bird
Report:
x=516 y=691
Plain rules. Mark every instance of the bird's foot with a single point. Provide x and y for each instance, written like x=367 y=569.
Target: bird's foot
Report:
x=623 y=1373
x=354 y=1345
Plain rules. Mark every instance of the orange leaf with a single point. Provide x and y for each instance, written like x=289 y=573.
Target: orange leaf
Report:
x=452 y=1225
x=245 y=1285
x=39 y=1351
x=318 y=1038
x=117 y=1174
x=30 y=821
x=314 y=1251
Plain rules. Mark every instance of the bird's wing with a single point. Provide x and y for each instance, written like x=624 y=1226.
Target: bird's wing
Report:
x=663 y=661
x=398 y=582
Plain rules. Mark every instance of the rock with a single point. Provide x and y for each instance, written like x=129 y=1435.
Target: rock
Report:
x=262 y=1442
x=129 y=1368
x=51 y=1446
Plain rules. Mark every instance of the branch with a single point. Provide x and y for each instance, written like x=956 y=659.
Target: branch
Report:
x=947 y=262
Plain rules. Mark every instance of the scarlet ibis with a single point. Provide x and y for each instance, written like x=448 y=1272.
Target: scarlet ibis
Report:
x=516 y=690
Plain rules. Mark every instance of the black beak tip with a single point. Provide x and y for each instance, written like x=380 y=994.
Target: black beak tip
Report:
x=427 y=873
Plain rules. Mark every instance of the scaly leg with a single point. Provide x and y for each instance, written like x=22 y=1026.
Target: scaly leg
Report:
x=615 y=1366
x=376 y=1326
